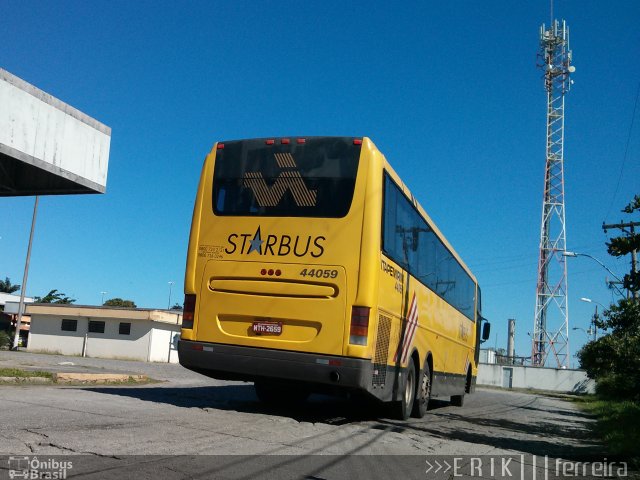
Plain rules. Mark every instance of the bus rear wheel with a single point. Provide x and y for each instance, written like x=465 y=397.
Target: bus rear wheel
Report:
x=423 y=395
x=402 y=409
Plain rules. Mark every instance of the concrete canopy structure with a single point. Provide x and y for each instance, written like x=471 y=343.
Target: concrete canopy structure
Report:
x=46 y=146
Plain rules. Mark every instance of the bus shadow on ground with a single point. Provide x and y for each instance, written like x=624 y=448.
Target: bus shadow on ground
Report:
x=242 y=398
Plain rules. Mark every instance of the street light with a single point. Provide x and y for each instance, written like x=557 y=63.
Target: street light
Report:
x=588 y=300
x=588 y=332
x=576 y=254
x=103 y=294
x=580 y=328
x=593 y=329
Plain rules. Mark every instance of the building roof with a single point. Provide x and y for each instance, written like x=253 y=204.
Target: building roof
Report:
x=122 y=313
x=10 y=297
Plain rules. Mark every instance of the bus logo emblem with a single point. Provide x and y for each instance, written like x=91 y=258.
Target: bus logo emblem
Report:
x=288 y=179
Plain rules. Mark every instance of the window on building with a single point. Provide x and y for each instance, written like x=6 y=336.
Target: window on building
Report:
x=96 y=326
x=69 y=325
x=125 y=328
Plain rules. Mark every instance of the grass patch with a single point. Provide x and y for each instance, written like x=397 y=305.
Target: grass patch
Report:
x=23 y=377
x=618 y=424
x=16 y=372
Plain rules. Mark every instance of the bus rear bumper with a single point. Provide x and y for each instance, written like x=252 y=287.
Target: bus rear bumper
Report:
x=232 y=362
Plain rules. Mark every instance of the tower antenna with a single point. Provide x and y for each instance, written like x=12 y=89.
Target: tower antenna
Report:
x=551 y=323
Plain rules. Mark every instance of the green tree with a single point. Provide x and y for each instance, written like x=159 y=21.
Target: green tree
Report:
x=176 y=306
x=626 y=244
x=119 y=302
x=614 y=359
x=7 y=287
x=54 y=296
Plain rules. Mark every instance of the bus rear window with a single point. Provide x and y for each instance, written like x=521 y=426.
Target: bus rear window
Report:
x=311 y=179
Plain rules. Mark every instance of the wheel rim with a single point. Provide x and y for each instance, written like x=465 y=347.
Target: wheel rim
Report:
x=425 y=388
x=410 y=388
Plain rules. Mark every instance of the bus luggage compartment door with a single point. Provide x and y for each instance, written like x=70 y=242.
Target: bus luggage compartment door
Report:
x=273 y=305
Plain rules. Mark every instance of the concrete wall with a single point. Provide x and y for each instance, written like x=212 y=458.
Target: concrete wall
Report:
x=40 y=130
x=147 y=341
x=552 y=379
x=47 y=335
x=163 y=343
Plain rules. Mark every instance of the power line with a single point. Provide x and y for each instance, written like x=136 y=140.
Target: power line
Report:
x=626 y=151
x=496 y=260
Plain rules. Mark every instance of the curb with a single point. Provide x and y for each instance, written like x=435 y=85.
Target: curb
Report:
x=36 y=380
x=86 y=378
x=98 y=378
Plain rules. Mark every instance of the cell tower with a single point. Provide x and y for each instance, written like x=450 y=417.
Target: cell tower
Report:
x=551 y=327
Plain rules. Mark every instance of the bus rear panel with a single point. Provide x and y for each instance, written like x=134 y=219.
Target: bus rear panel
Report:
x=273 y=262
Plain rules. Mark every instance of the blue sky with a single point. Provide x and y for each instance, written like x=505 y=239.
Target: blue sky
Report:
x=449 y=91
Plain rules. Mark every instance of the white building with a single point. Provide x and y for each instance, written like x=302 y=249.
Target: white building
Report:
x=105 y=332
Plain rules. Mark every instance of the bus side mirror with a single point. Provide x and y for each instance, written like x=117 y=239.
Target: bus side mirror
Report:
x=486 y=331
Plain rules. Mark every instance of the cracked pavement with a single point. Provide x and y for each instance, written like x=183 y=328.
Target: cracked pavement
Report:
x=189 y=414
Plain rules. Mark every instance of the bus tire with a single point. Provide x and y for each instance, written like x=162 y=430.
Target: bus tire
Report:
x=458 y=400
x=423 y=394
x=274 y=393
x=402 y=409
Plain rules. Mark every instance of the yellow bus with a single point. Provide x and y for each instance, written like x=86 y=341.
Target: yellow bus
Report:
x=312 y=268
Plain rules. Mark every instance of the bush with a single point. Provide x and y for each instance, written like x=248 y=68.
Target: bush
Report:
x=5 y=340
x=614 y=359
x=617 y=387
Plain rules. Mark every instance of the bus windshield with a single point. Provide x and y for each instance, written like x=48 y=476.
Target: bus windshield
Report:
x=280 y=179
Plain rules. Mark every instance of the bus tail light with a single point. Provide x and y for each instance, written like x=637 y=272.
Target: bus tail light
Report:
x=359 y=325
x=188 y=311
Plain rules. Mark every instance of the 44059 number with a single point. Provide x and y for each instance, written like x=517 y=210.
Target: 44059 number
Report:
x=318 y=273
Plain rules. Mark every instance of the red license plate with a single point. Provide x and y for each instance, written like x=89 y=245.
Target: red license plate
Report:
x=267 y=328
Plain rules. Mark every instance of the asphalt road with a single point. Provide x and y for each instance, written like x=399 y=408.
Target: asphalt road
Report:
x=190 y=415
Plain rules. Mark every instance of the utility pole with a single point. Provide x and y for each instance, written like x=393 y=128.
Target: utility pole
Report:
x=551 y=319
x=23 y=289
x=594 y=324
x=634 y=253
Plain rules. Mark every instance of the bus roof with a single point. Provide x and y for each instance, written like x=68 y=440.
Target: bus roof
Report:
x=389 y=169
